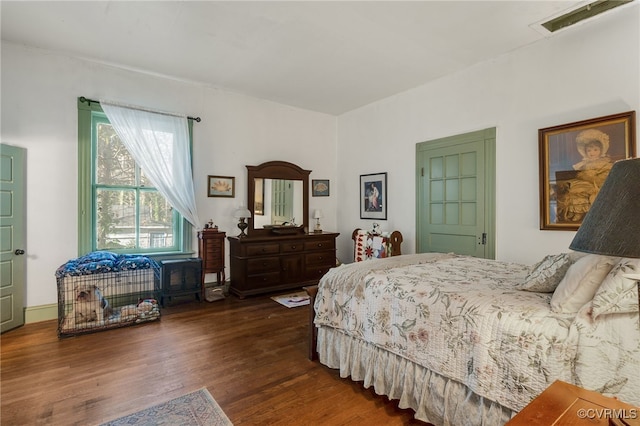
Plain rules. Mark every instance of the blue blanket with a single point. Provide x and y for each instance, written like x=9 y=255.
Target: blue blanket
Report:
x=100 y=262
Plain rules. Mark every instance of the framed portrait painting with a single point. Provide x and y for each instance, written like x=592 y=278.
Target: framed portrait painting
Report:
x=221 y=186
x=575 y=159
x=373 y=196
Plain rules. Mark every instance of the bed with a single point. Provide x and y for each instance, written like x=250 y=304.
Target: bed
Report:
x=463 y=340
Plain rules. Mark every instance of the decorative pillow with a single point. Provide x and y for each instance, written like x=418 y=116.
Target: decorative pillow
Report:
x=581 y=282
x=617 y=293
x=546 y=274
x=371 y=246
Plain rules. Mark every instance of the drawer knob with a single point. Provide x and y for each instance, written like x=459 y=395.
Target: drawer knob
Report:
x=319 y=244
x=293 y=247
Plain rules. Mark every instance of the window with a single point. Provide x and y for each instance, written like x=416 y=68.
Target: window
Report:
x=119 y=209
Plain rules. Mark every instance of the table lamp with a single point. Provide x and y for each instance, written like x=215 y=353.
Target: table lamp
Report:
x=317 y=214
x=611 y=227
x=241 y=214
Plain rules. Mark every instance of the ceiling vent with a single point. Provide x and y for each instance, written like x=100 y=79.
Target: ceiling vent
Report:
x=582 y=13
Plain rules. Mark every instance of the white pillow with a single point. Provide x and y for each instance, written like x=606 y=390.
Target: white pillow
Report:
x=581 y=282
x=546 y=274
x=618 y=294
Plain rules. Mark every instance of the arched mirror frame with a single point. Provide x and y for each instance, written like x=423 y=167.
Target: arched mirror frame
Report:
x=276 y=170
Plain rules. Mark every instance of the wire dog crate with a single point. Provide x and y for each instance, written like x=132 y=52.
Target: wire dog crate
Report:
x=103 y=290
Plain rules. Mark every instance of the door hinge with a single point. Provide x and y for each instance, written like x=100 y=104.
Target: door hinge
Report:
x=484 y=238
x=422 y=172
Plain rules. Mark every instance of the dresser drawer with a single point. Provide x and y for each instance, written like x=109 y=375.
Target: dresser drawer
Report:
x=316 y=272
x=212 y=245
x=320 y=244
x=213 y=257
x=292 y=247
x=325 y=258
x=212 y=264
x=263 y=264
x=258 y=249
x=263 y=280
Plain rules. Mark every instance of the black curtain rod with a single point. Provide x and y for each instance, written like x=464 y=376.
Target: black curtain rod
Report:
x=88 y=101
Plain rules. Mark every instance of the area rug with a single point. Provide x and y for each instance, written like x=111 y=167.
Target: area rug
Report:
x=293 y=300
x=196 y=408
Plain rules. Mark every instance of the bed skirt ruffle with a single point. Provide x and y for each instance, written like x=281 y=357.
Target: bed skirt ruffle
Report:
x=434 y=398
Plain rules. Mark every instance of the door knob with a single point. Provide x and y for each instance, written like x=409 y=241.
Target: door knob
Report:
x=19 y=252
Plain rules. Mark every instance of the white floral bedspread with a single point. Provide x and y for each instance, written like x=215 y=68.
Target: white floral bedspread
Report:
x=458 y=316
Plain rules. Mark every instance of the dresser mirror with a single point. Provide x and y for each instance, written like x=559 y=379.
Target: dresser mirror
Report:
x=278 y=198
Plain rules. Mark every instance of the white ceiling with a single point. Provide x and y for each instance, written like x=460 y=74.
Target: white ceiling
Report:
x=327 y=56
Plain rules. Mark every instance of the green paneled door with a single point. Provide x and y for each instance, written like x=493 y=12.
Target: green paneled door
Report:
x=455 y=193
x=12 y=237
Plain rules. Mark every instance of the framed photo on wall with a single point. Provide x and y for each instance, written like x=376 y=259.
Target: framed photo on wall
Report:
x=575 y=160
x=320 y=187
x=373 y=196
x=221 y=186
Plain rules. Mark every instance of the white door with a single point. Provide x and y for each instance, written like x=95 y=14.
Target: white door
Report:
x=12 y=237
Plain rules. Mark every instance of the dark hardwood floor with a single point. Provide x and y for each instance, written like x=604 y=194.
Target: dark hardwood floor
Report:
x=250 y=354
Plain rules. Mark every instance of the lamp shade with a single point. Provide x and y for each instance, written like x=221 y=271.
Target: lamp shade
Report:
x=241 y=212
x=612 y=225
x=317 y=214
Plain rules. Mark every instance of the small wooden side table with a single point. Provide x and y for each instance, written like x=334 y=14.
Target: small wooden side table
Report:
x=211 y=251
x=566 y=404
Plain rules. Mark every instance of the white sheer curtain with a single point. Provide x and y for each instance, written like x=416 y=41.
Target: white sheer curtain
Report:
x=159 y=143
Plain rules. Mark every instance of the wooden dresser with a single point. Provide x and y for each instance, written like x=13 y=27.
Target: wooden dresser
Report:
x=270 y=263
x=211 y=251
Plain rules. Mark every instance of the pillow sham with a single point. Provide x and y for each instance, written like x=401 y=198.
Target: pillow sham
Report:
x=617 y=293
x=581 y=282
x=546 y=274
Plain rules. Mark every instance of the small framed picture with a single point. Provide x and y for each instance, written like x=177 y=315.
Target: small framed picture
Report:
x=320 y=187
x=373 y=196
x=221 y=186
x=575 y=160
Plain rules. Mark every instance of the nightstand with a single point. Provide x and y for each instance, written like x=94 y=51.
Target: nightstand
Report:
x=565 y=404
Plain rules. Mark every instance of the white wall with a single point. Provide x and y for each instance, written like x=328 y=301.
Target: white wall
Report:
x=588 y=71
x=39 y=92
